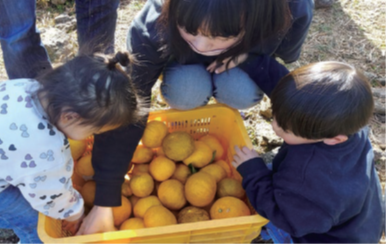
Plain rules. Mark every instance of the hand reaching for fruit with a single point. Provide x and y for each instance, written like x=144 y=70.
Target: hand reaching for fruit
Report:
x=99 y=220
x=243 y=155
x=72 y=226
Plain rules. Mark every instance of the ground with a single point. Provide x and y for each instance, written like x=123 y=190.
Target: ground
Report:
x=352 y=31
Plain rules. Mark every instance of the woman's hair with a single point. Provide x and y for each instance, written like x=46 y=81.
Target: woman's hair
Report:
x=255 y=20
x=94 y=86
x=323 y=100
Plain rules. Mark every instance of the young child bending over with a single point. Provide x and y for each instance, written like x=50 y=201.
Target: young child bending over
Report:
x=323 y=186
x=88 y=95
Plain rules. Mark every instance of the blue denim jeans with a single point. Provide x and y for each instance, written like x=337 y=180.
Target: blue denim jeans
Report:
x=23 y=52
x=189 y=86
x=17 y=214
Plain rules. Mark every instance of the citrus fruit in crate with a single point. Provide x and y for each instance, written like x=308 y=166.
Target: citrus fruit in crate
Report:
x=88 y=193
x=200 y=189
x=123 y=212
x=192 y=214
x=159 y=151
x=159 y=216
x=214 y=144
x=77 y=148
x=225 y=166
x=154 y=133
x=142 y=155
x=133 y=200
x=181 y=173
x=162 y=168
x=132 y=224
x=84 y=166
x=140 y=168
x=178 y=145
x=143 y=204
x=216 y=171
x=141 y=184
x=230 y=187
x=125 y=189
x=201 y=156
x=171 y=194
x=229 y=207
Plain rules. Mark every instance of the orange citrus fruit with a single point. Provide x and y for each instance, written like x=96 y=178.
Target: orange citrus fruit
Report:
x=171 y=194
x=229 y=207
x=154 y=133
x=142 y=184
x=143 y=204
x=159 y=216
x=84 y=166
x=216 y=171
x=181 y=173
x=88 y=193
x=230 y=187
x=77 y=148
x=201 y=156
x=132 y=224
x=192 y=214
x=123 y=212
x=225 y=166
x=142 y=155
x=178 y=145
x=162 y=168
x=214 y=144
x=200 y=189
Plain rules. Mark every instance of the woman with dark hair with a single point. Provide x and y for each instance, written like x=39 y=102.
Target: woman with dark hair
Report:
x=193 y=42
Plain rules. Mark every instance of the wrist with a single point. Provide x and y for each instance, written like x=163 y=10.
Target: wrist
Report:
x=75 y=217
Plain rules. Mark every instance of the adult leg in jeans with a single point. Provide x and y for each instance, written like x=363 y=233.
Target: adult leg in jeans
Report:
x=186 y=86
x=96 y=22
x=23 y=52
x=236 y=89
x=17 y=214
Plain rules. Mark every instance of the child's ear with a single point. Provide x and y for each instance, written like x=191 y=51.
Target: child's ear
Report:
x=335 y=140
x=68 y=117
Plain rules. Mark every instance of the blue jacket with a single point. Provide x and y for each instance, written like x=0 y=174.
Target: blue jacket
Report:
x=319 y=193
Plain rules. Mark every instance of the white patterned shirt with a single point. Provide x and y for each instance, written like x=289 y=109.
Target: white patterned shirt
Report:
x=34 y=155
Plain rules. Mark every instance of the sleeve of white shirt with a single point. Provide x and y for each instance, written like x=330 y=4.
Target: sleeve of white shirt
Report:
x=51 y=192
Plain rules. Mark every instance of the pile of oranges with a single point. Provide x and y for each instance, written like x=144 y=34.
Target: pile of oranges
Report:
x=172 y=179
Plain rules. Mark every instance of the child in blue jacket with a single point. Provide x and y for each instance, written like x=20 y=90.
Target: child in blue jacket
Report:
x=323 y=186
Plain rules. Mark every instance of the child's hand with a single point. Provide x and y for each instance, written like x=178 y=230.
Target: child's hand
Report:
x=99 y=220
x=214 y=67
x=243 y=155
x=72 y=226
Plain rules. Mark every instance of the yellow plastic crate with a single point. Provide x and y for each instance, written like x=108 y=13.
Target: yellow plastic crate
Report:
x=226 y=124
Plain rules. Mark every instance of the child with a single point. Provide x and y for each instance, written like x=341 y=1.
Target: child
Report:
x=193 y=41
x=88 y=95
x=323 y=186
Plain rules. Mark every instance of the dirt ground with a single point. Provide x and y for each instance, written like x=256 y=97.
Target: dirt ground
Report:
x=352 y=31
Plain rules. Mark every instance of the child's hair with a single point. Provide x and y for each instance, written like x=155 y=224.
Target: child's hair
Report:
x=323 y=100
x=94 y=86
x=256 y=20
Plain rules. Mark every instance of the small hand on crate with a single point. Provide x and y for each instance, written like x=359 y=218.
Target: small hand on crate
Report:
x=98 y=220
x=72 y=226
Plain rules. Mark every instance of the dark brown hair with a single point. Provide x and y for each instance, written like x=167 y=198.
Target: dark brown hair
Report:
x=257 y=20
x=323 y=100
x=94 y=86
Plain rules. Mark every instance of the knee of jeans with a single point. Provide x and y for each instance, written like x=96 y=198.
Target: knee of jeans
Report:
x=186 y=86
x=236 y=89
